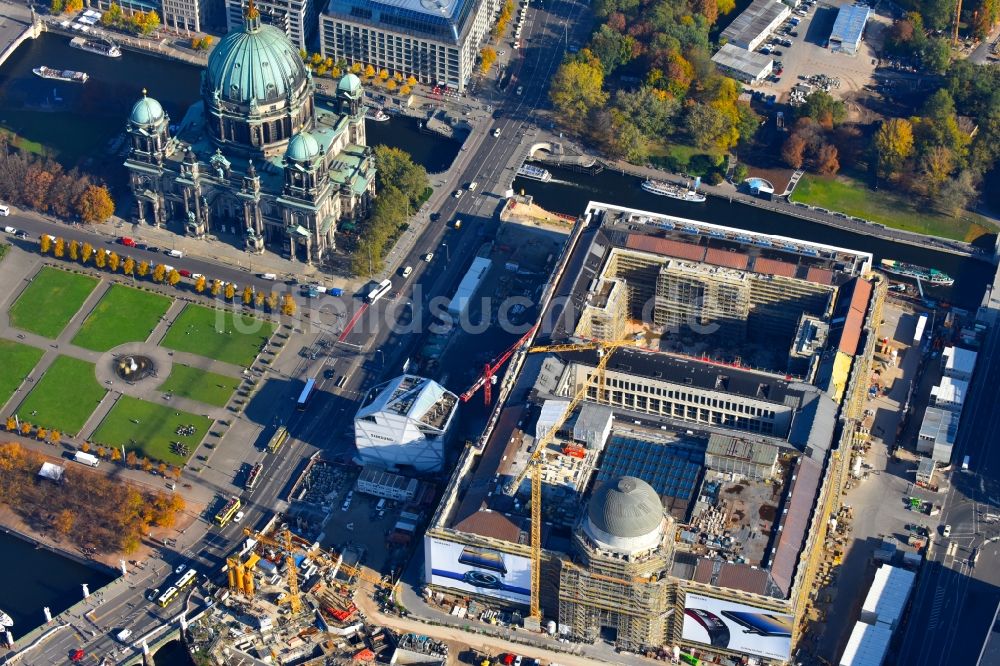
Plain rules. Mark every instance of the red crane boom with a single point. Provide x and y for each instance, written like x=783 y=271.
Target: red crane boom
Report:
x=485 y=380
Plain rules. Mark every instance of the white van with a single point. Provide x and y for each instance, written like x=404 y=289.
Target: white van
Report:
x=176 y=253
x=473 y=185
x=123 y=635
x=4 y=210
x=268 y=276
x=380 y=505
x=10 y=230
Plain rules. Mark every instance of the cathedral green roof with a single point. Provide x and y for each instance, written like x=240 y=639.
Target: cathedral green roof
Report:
x=146 y=111
x=256 y=62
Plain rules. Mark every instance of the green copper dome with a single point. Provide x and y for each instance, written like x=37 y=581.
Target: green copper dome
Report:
x=146 y=111
x=257 y=62
x=302 y=148
x=350 y=84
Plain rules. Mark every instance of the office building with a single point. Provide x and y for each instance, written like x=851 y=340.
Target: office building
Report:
x=436 y=42
x=186 y=15
x=296 y=18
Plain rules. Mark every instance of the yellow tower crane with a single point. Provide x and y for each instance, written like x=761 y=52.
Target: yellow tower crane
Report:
x=291 y=574
x=604 y=349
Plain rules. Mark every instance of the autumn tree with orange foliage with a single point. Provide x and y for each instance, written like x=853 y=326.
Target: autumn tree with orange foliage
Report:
x=88 y=509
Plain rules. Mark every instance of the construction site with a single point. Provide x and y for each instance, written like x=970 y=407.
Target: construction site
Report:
x=281 y=599
x=664 y=453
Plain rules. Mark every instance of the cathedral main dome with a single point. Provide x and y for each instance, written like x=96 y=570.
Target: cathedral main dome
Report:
x=258 y=63
x=257 y=92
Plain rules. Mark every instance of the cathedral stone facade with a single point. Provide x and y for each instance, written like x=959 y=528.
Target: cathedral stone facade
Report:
x=258 y=155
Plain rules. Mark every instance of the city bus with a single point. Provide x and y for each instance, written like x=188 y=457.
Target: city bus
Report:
x=168 y=596
x=187 y=578
x=306 y=395
x=381 y=290
x=254 y=477
x=228 y=511
x=277 y=439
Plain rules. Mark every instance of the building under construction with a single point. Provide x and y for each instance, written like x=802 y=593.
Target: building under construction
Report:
x=684 y=468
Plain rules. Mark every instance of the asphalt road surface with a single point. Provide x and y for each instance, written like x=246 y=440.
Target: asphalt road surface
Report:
x=958 y=588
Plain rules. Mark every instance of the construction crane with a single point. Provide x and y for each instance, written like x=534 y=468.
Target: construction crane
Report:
x=488 y=378
x=292 y=575
x=604 y=350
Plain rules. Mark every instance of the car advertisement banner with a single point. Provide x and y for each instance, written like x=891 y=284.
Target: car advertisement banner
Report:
x=733 y=626
x=479 y=570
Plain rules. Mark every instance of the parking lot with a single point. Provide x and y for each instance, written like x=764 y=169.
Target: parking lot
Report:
x=808 y=55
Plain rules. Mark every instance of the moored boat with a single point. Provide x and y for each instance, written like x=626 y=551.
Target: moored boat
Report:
x=375 y=113
x=5 y=621
x=673 y=191
x=930 y=275
x=60 y=74
x=533 y=172
x=104 y=47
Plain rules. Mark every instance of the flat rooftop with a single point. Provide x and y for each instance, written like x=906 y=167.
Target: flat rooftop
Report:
x=698 y=373
x=751 y=63
x=754 y=20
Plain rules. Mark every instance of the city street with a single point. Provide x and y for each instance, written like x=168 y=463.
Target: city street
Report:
x=957 y=589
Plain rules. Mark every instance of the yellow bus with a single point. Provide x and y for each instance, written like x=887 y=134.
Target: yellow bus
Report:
x=277 y=439
x=168 y=596
x=228 y=511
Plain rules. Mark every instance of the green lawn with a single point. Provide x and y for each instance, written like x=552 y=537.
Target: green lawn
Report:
x=50 y=301
x=18 y=360
x=123 y=315
x=852 y=197
x=218 y=334
x=149 y=428
x=64 y=397
x=201 y=385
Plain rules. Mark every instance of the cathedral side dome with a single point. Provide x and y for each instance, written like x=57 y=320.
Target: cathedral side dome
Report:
x=257 y=63
x=302 y=148
x=350 y=84
x=147 y=111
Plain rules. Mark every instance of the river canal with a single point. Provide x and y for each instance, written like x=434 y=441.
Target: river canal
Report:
x=35 y=578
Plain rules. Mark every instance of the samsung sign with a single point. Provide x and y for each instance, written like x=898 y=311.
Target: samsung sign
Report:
x=731 y=626
x=476 y=570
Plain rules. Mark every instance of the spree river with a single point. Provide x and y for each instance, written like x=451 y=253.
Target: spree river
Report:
x=35 y=578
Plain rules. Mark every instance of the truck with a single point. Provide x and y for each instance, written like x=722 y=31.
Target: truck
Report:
x=965 y=462
x=268 y=276
x=123 y=635
x=86 y=459
x=176 y=253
